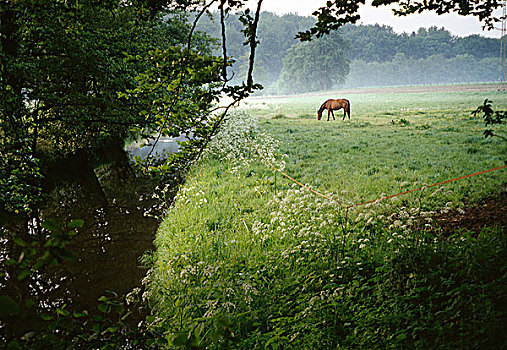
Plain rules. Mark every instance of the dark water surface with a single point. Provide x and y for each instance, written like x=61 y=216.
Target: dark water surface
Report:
x=119 y=228
x=121 y=217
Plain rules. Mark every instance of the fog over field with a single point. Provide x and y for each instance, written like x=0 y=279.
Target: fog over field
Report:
x=357 y=56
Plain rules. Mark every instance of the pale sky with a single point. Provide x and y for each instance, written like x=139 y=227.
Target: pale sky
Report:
x=457 y=25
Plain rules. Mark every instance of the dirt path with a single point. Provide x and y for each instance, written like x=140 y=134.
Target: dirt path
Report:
x=426 y=88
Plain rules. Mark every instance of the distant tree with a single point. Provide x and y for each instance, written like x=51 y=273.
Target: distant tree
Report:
x=377 y=43
x=434 y=69
x=477 y=46
x=428 y=42
x=337 y=13
x=276 y=35
x=318 y=65
x=369 y=43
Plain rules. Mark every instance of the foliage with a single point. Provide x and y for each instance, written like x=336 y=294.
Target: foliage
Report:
x=109 y=327
x=435 y=69
x=240 y=266
x=376 y=52
x=491 y=117
x=37 y=253
x=318 y=65
x=62 y=67
x=337 y=13
x=81 y=77
x=179 y=94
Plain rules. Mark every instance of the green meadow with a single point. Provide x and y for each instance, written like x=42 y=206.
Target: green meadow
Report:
x=393 y=141
x=246 y=259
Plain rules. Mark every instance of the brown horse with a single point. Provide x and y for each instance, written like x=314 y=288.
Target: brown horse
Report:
x=331 y=105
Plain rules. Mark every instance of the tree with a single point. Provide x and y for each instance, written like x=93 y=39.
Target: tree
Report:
x=317 y=65
x=337 y=13
x=478 y=46
x=78 y=78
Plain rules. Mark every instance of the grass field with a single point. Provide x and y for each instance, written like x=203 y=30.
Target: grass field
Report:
x=240 y=264
x=393 y=141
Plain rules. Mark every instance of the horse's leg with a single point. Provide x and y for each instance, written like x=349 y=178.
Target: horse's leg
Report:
x=332 y=113
x=329 y=111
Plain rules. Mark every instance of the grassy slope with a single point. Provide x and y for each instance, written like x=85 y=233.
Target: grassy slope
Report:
x=238 y=266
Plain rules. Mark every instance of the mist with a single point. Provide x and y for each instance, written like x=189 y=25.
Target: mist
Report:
x=356 y=56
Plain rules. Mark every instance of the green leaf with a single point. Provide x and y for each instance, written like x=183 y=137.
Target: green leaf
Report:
x=103 y=308
x=20 y=242
x=401 y=336
x=46 y=317
x=180 y=339
x=96 y=328
x=24 y=274
x=75 y=223
x=80 y=314
x=8 y=305
x=63 y=312
x=110 y=330
x=51 y=225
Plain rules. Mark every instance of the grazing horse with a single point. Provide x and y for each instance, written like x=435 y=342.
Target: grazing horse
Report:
x=331 y=105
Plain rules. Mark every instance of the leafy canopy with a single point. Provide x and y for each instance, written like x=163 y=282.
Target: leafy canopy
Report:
x=337 y=13
x=313 y=66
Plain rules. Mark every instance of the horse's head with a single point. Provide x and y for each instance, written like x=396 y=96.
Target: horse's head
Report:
x=319 y=114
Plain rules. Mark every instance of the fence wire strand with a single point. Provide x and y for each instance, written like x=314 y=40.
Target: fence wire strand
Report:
x=378 y=199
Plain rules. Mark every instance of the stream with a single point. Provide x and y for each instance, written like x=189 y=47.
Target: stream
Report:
x=121 y=219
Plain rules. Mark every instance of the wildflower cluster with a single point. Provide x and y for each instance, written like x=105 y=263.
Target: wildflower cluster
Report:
x=159 y=201
x=240 y=138
x=309 y=225
x=191 y=194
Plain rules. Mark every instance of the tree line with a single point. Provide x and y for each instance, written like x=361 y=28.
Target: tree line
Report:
x=356 y=55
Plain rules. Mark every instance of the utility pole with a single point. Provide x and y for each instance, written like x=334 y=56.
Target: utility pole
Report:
x=503 y=45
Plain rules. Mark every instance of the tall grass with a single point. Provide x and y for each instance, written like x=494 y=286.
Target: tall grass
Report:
x=240 y=264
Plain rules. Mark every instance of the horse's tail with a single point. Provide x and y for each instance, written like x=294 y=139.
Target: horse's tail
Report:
x=348 y=108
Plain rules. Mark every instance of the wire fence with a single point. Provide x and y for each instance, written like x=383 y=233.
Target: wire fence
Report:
x=347 y=207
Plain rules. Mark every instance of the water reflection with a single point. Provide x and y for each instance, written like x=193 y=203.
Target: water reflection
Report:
x=107 y=249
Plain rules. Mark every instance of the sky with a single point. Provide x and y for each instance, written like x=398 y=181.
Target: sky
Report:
x=457 y=25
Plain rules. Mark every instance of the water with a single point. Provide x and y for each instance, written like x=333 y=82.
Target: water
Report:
x=120 y=217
